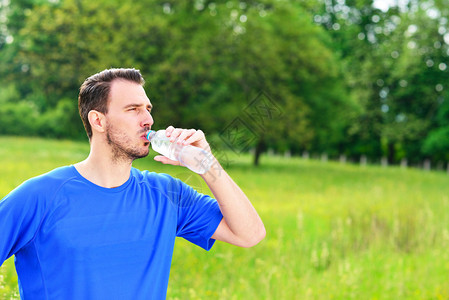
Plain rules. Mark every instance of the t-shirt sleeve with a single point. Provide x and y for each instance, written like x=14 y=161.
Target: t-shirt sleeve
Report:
x=20 y=215
x=198 y=216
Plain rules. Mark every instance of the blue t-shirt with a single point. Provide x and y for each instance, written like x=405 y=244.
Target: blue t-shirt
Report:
x=73 y=239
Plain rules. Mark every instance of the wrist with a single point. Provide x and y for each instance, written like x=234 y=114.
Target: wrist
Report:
x=215 y=171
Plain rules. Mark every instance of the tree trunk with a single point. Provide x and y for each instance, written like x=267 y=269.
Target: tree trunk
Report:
x=391 y=153
x=259 y=150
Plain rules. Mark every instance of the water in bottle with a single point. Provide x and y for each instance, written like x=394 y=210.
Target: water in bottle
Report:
x=194 y=158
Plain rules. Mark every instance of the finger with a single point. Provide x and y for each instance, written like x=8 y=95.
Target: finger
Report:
x=197 y=135
x=175 y=134
x=169 y=130
x=185 y=134
x=166 y=161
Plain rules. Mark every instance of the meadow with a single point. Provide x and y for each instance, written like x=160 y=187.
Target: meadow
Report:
x=334 y=231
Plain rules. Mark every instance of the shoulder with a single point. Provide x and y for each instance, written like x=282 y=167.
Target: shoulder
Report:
x=153 y=178
x=161 y=183
x=33 y=196
x=54 y=178
x=47 y=183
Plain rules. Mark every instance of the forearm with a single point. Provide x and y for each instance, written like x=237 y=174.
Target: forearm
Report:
x=241 y=225
x=245 y=226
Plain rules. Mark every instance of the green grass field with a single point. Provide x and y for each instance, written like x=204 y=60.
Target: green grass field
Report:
x=333 y=231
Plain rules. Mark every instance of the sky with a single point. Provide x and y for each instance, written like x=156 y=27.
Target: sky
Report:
x=385 y=4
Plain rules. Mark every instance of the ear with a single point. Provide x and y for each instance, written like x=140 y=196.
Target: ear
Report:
x=97 y=121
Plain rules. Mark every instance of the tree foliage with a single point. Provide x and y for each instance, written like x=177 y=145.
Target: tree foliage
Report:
x=337 y=76
x=395 y=65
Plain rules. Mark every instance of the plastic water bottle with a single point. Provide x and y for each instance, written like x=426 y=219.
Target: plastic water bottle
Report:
x=194 y=158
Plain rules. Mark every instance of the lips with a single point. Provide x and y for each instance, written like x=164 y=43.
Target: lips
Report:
x=144 y=134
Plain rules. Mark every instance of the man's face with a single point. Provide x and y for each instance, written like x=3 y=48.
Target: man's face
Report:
x=128 y=119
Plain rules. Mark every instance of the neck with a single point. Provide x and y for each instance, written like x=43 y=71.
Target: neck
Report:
x=103 y=168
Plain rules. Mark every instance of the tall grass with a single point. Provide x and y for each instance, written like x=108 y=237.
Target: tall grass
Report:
x=333 y=231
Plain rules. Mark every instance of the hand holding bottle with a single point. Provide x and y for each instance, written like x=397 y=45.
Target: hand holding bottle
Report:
x=182 y=146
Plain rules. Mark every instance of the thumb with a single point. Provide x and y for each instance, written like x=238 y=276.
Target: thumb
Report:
x=165 y=160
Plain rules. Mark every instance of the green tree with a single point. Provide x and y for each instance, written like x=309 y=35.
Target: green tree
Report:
x=204 y=63
x=63 y=43
x=248 y=48
x=395 y=66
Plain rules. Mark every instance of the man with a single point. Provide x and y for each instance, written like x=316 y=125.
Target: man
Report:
x=101 y=229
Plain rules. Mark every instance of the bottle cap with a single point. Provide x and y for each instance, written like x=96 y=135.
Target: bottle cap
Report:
x=150 y=134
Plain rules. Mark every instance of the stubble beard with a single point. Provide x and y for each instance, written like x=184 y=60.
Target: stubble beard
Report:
x=122 y=146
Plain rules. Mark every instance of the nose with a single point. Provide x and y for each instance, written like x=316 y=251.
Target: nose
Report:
x=147 y=120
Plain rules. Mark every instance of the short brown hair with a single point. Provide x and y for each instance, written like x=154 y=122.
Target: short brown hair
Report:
x=94 y=92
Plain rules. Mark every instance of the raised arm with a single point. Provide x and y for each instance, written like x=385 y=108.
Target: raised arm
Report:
x=241 y=225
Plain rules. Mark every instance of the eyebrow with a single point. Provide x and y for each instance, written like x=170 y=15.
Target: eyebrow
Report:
x=138 y=105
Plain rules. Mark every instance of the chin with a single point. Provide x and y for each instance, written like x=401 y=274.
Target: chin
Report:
x=145 y=153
